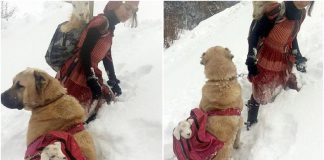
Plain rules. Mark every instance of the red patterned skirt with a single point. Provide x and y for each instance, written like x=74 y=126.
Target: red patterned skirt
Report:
x=76 y=83
x=74 y=80
x=274 y=66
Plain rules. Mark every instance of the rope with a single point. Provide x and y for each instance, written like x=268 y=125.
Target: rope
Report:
x=241 y=75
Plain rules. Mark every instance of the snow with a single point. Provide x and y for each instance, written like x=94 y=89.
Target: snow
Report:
x=289 y=128
x=127 y=128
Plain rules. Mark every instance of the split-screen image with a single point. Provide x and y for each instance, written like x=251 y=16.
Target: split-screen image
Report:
x=153 y=80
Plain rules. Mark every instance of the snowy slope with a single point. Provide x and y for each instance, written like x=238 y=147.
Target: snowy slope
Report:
x=130 y=128
x=288 y=129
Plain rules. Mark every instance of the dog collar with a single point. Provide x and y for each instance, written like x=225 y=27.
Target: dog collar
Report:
x=78 y=127
x=49 y=102
x=225 y=112
x=220 y=80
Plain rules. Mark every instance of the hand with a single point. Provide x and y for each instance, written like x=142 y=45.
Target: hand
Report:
x=301 y=63
x=115 y=87
x=251 y=65
x=95 y=87
x=301 y=67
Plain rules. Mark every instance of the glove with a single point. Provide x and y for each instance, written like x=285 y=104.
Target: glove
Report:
x=301 y=64
x=251 y=65
x=300 y=61
x=251 y=62
x=115 y=87
x=95 y=87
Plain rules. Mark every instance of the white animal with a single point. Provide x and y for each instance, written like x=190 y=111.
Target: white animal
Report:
x=183 y=129
x=80 y=16
x=258 y=8
x=53 y=152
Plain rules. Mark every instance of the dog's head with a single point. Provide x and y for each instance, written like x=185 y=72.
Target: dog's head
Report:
x=81 y=10
x=218 y=63
x=53 y=152
x=31 y=88
x=183 y=129
x=261 y=7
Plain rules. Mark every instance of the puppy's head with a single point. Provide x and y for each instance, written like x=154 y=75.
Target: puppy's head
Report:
x=183 y=129
x=218 y=63
x=31 y=88
x=261 y=7
x=81 y=10
x=53 y=152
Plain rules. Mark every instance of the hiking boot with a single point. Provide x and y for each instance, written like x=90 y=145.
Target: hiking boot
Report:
x=253 y=109
x=91 y=118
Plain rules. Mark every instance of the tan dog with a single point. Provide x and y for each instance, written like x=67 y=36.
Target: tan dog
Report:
x=222 y=91
x=51 y=107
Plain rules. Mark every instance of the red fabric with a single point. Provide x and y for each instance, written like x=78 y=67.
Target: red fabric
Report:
x=275 y=61
x=202 y=145
x=75 y=128
x=69 y=146
x=225 y=112
x=76 y=82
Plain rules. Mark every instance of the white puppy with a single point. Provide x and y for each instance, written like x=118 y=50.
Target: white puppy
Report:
x=259 y=7
x=53 y=152
x=183 y=129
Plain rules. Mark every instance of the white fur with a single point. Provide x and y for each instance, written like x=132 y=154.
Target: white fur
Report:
x=183 y=129
x=258 y=8
x=81 y=10
x=80 y=15
x=53 y=152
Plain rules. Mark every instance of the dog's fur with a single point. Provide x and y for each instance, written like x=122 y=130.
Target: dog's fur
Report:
x=53 y=152
x=259 y=8
x=222 y=91
x=52 y=109
x=79 y=17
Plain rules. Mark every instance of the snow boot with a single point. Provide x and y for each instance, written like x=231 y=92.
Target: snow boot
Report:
x=91 y=118
x=253 y=109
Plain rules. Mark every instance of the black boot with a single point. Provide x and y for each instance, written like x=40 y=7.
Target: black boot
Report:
x=253 y=109
x=91 y=118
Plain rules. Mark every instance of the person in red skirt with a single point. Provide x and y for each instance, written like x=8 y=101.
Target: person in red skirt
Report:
x=273 y=51
x=80 y=74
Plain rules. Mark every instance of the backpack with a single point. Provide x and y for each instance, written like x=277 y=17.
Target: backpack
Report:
x=202 y=145
x=62 y=47
x=69 y=146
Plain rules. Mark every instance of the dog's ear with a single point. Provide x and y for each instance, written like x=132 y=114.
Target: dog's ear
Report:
x=228 y=54
x=40 y=81
x=190 y=121
x=176 y=133
x=203 y=59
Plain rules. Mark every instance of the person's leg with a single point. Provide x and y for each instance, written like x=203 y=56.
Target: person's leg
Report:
x=253 y=109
